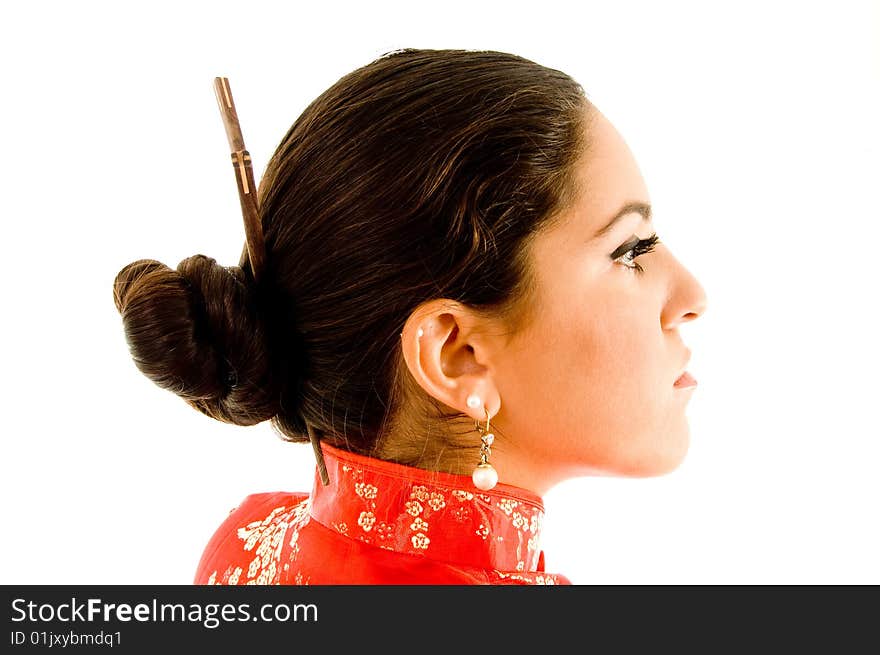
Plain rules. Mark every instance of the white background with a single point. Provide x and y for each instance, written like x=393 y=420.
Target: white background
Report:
x=754 y=124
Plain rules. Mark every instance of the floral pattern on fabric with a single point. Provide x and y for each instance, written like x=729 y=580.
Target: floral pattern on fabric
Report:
x=426 y=513
x=379 y=522
x=265 y=539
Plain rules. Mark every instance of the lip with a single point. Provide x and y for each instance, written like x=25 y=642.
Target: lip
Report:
x=685 y=381
x=683 y=369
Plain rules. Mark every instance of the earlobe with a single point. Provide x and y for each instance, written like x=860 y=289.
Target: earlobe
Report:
x=479 y=406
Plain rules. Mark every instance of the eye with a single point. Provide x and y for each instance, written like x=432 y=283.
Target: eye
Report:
x=628 y=252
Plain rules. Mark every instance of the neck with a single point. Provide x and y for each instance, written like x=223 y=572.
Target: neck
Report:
x=515 y=466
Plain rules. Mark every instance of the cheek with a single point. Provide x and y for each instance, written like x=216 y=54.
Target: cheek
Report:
x=602 y=378
x=611 y=362
x=594 y=365
x=591 y=381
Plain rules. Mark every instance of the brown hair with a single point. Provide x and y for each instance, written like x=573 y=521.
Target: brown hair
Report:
x=423 y=174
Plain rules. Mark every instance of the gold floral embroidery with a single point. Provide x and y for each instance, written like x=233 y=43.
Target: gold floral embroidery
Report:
x=497 y=532
x=507 y=505
x=419 y=492
x=267 y=536
x=366 y=521
x=436 y=501
x=535 y=578
x=212 y=579
x=367 y=491
x=461 y=513
x=391 y=512
x=385 y=531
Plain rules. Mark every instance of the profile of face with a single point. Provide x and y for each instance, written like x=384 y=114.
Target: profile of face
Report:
x=587 y=388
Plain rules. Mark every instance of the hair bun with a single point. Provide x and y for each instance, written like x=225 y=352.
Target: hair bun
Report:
x=197 y=331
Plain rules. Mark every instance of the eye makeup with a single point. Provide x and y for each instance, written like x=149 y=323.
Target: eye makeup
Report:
x=634 y=248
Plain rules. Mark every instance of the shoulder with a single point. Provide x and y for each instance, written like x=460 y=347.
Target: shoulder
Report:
x=236 y=551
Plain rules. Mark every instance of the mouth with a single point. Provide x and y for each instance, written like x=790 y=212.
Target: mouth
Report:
x=685 y=381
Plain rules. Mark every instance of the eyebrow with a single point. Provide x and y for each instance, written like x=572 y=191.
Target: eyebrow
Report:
x=631 y=207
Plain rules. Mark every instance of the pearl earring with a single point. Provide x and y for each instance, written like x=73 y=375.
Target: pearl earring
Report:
x=473 y=401
x=485 y=476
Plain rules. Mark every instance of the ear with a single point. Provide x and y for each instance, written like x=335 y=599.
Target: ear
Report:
x=450 y=358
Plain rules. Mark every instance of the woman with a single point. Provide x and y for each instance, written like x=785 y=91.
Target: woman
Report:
x=463 y=303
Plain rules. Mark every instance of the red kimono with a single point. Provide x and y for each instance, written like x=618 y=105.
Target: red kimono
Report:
x=378 y=522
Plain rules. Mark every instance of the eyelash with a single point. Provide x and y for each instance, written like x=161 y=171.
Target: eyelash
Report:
x=641 y=247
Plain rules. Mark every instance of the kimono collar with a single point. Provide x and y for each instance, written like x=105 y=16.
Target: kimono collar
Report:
x=427 y=513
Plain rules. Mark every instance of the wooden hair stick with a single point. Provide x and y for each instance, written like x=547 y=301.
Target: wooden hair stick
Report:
x=250 y=209
x=244 y=177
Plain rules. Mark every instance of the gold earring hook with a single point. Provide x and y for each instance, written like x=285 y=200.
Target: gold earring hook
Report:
x=477 y=423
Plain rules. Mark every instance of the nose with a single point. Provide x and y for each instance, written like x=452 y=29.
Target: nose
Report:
x=687 y=298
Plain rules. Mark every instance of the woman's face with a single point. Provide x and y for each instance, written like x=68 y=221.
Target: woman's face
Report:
x=587 y=387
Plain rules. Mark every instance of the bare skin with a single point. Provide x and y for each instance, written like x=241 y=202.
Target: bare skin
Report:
x=587 y=387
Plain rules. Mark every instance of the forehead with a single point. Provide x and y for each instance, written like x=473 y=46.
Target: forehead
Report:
x=608 y=175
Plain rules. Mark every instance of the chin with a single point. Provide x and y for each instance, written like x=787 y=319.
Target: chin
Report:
x=673 y=456
x=668 y=466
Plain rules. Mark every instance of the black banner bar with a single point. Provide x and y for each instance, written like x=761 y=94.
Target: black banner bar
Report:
x=423 y=618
